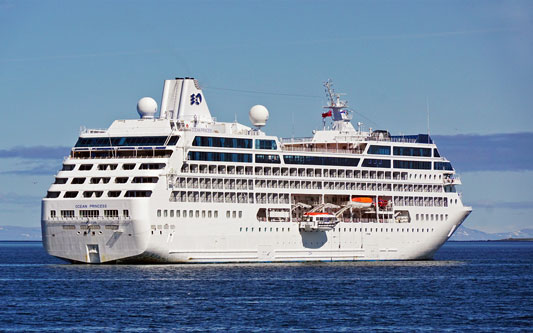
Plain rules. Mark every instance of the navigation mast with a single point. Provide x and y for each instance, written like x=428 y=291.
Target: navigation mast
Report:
x=337 y=109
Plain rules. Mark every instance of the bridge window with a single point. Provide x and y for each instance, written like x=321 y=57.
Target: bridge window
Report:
x=412 y=165
x=442 y=166
x=209 y=141
x=265 y=144
x=376 y=163
x=412 y=151
x=379 y=150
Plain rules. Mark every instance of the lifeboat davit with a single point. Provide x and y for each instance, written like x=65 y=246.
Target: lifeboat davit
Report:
x=361 y=202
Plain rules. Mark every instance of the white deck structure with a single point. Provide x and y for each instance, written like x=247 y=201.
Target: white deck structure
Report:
x=184 y=188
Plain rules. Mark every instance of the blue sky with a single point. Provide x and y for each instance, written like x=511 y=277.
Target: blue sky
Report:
x=64 y=65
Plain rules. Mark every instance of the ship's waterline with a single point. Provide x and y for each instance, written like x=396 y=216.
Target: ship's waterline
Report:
x=184 y=188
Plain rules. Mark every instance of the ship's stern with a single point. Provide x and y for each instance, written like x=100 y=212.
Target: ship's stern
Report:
x=94 y=240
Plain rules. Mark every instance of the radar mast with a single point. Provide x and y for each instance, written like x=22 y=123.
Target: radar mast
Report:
x=337 y=110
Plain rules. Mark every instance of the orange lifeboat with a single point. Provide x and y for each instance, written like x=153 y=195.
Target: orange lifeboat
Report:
x=362 y=200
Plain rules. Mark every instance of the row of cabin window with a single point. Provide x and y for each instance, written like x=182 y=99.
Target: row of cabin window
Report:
x=367 y=162
x=158 y=152
x=265 y=229
x=92 y=227
x=303 y=172
x=387 y=229
x=277 y=229
x=346 y=186
x=239 y=143
x=229 y=197
x=402 y=151
x=431 y=217
x=421 y=201
x=125 y=166
x=98 y=194
x=215 y=183
x=105 y=180
x=133 y=141
x=70 y=213
x=196 y=213
x=398 y=164
x=244 y=184
x=307 y=160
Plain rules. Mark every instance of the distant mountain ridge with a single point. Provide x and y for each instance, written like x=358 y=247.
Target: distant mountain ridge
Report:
x=14 y=233
x=467 y=234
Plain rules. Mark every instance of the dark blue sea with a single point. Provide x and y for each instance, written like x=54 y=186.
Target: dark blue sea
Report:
x=479 y=286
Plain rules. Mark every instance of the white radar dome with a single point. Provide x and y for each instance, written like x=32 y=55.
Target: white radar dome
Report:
x=147 y=107
x=258 y=115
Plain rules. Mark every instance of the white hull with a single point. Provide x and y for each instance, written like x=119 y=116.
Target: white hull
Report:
x=223 y=241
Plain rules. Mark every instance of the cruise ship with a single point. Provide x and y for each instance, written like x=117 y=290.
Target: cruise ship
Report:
x=179 y=186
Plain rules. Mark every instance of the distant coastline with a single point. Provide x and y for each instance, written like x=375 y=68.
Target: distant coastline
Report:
x=463 y=234
x=494 y=240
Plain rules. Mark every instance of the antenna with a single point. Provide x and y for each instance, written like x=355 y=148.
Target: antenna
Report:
x=292 y=116
x=427 y=111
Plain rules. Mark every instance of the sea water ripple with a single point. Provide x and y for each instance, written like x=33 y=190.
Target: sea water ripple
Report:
x=485 y=286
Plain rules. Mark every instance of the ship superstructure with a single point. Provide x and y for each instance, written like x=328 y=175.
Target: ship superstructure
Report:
x=185 y=188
